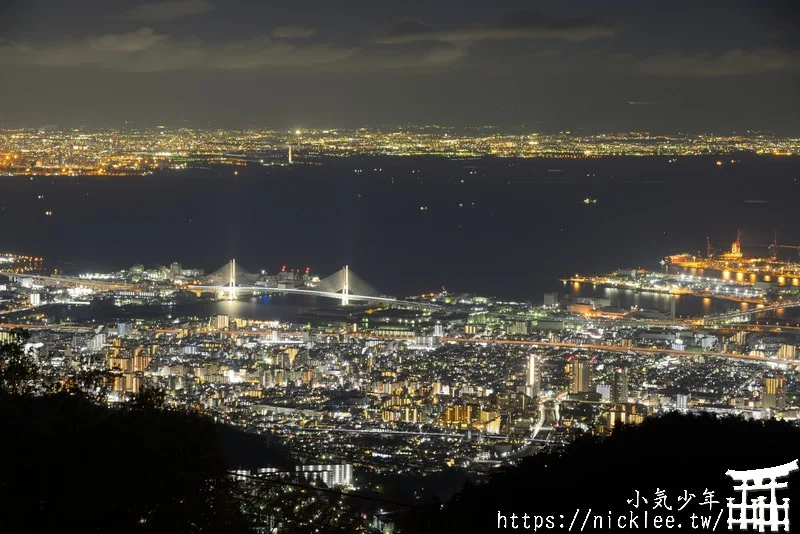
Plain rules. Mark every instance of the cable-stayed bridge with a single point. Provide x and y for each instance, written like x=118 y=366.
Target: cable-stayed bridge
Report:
x=232 y=279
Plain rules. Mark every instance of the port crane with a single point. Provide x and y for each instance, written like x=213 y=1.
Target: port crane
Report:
x=709 y=248
x=774 y=246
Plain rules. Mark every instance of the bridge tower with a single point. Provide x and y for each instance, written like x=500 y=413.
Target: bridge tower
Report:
x=232 y=282
x=346 y=287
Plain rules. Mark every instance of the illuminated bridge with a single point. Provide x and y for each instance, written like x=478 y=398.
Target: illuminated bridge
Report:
x=742 y=316
x=232 y=280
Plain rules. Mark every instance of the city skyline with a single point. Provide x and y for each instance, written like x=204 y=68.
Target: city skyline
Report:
x=375 y=266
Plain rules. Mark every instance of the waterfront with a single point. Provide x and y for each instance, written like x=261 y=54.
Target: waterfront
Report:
x=510 y=228
x=304 y=309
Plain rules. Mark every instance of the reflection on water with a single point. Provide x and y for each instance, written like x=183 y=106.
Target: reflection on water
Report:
x=735 y=275
x=287 y=308
x=685 y=305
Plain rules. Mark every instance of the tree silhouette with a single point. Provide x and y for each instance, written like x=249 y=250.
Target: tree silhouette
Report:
x=673 y=453
x=73 y=464
x=148 y=398
x=18 y=369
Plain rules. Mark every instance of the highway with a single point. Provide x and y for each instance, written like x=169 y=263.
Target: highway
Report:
x=54 y=327
x=297 y=291
x=715 y=319
x=386 y=431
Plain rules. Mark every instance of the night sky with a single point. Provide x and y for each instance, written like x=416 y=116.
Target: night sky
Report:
x=536 y=66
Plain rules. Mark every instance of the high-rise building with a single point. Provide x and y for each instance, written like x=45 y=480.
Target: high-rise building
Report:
x=7 y=336
x=438 y=330
x=96 y=343
x=682 y=401
x=619 y=384
x=580 y=369
x=532 y=382
x=123 y=329
x=774 y=392
x=550 y=299
x=519 y=327
x=787 y=352
x=219 y=322
x=336 y=475
x=175 y=268
x=741 y=338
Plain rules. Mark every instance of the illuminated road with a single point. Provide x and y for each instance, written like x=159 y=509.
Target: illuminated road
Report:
x=590 y=346
x=743 y=314
x=316 y=293
x=297 y=291
x=386 y=431
x=56 y=327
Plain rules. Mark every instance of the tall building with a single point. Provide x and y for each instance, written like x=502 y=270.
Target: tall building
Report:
x=619 y=384
x=438 y=330
x=774 y=392
x=175 y=268
x=741 y=337
x=581 y=371
x=219 y=322
x=334 y=476
x=787 y=352
x=532 y=382
x=550 y=299
x=97 y=342
x=7 y=336
x=519 y=327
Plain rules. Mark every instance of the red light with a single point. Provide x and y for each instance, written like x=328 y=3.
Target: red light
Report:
x=283 y=269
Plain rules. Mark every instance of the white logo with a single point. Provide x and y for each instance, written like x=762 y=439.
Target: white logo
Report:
x=756 y=511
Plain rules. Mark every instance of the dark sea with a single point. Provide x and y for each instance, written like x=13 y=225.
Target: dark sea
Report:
x=503 y=227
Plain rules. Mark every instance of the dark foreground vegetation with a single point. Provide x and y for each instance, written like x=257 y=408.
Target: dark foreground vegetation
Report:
x=72 y=464
x=674 y=453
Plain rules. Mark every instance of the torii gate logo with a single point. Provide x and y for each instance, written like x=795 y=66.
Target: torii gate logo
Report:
x=758 y=512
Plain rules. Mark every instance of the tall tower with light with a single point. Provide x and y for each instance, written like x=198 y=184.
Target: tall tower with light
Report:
x=532 y=382
x=232 y=282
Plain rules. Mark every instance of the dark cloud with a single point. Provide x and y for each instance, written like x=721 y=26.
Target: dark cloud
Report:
x=167 y=10
x=735 y=62
x=145 y=50
x=528 y=24
x=293 y=32
x=726 y=64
